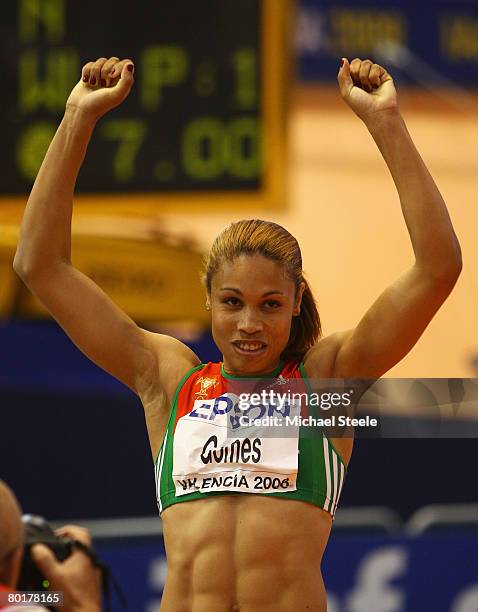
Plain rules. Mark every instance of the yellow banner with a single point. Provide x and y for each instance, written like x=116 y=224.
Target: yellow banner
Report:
x=151 y=280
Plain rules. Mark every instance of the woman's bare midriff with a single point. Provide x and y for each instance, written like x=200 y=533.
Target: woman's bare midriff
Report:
x=251 y=553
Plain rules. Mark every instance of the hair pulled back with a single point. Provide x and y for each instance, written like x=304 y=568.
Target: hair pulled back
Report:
x=257 y=237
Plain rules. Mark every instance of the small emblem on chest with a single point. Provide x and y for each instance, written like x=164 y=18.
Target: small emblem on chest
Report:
x=206 y=385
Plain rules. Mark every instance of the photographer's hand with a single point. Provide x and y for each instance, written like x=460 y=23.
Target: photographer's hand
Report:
x=76 y=577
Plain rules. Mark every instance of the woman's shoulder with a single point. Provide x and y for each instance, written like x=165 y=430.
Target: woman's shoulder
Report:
x=172 y=361
x=319 y=360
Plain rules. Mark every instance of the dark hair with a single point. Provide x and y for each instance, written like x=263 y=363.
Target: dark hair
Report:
x=257 y=237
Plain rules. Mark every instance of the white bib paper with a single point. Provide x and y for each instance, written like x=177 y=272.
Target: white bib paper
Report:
x=213 y=453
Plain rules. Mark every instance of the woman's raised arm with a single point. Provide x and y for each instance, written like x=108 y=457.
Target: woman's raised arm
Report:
x=43 y=258
x=396 y=320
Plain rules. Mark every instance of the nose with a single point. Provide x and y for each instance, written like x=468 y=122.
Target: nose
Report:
x=249 y=322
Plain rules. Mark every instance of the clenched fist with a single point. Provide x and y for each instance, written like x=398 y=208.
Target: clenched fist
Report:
x=367 y=88
x=104 y=84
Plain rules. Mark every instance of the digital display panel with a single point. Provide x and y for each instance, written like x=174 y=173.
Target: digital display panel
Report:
x=197 y=119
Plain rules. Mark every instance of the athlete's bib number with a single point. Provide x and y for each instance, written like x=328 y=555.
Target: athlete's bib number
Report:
x=210 y=455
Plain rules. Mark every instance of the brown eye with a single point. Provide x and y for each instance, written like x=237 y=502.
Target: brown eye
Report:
x=231 y=301
x=271 y=304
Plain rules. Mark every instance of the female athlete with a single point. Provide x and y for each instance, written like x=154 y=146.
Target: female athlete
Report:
x=260 y=551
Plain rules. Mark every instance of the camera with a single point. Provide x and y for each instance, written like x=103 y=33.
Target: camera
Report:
x=38 y=531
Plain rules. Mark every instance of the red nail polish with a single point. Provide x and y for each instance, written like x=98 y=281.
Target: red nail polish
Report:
x=85 y=78
x=130 y=67
x=342 y=62
x=93 y=81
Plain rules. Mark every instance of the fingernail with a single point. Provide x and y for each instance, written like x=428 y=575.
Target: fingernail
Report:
x=103 y=83
x=130 y=67
x=342 y=62
x=93 y=81
x=85 y=78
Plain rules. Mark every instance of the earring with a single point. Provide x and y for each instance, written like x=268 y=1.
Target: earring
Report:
x=208 y=307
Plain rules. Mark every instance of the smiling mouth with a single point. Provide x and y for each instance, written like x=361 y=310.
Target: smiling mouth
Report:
x=249 y=346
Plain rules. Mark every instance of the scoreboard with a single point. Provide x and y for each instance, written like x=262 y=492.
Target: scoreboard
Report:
x=204 y=123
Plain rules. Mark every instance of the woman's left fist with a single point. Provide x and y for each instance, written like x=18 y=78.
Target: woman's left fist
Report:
x=366 y=87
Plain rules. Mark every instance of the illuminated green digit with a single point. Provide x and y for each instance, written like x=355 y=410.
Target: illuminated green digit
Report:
x=245 y=150
x=245 y=66
x=51 y=91
x=130 y=134
x=205 y=151
x=211 y=148
x=51 y=13
x=161 y=66
x=32 y=147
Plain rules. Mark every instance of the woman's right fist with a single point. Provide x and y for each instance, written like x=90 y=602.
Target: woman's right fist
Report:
x=104 y=85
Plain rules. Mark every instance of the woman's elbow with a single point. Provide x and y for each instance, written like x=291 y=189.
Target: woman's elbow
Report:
x=25 y=268
x=450 y=269
x=454 y=264
x=444 y=270
x=18 y=265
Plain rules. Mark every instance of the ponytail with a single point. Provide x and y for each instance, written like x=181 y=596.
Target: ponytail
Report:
x=306 y=328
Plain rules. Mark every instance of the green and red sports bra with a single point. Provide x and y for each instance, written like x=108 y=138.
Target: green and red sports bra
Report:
x=212 y=447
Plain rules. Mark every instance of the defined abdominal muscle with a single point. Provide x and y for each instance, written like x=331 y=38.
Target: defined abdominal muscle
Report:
x=248 y=551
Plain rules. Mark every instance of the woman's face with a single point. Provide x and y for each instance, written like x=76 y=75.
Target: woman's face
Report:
x=252 y=305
